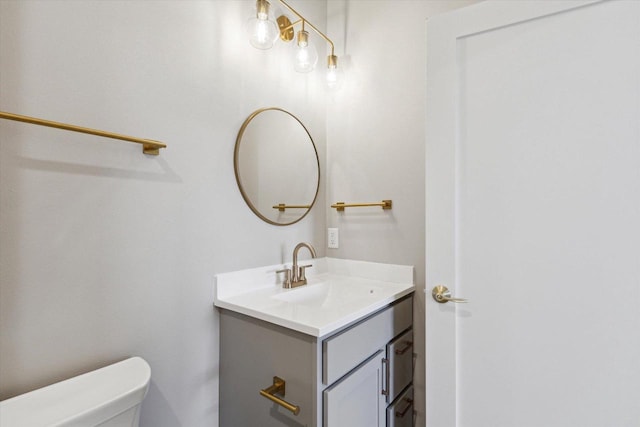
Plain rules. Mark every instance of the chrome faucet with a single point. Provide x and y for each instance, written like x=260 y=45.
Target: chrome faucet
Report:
x=296 y=276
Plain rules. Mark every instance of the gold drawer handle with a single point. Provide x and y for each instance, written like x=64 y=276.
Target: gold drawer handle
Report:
x=279 y=387
x=403 y=350
x=401 y=414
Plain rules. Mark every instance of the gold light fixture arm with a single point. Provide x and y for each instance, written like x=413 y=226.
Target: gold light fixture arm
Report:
x=148 y=146
x=339 y=206
x=304 y=21
x=287 y=25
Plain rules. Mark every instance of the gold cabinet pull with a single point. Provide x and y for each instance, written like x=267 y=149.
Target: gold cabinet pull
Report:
x=278 y=386
x=403 y=350
x=401 y=414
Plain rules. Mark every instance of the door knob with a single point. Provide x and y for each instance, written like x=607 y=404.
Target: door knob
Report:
x=442 y=294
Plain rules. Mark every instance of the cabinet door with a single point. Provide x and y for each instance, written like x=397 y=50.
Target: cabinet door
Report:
x=252 y=352
x=357 y=399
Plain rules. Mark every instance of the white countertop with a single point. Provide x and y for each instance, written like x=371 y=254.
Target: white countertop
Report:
x=338 y=292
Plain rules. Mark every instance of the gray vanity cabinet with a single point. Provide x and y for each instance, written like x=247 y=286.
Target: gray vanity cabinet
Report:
x=350 y=377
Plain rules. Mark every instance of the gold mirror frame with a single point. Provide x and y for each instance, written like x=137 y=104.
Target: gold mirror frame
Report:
x=236 y=166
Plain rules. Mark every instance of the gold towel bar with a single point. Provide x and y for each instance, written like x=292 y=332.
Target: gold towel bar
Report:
x=279 y=387
x=148 y=146
x=339 y=206
x=281 y=207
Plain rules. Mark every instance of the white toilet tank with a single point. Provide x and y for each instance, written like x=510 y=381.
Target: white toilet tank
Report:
x=107 y=397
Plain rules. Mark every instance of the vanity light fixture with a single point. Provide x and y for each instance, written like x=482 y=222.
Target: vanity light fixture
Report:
x=306 y=55
x=260 y=29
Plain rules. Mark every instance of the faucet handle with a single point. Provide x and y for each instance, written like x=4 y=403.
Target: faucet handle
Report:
x=287 y=277
x=301 y=276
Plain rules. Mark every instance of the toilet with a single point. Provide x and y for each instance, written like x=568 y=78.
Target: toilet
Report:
x=107 y=397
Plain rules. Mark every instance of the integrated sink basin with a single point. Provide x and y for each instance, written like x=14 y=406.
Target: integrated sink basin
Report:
x=330 y=294
x=310 y=295
x=338 y=293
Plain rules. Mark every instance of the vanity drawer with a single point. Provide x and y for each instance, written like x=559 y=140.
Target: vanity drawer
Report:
x=400 y=357
x=343 y=351
x=400 y=412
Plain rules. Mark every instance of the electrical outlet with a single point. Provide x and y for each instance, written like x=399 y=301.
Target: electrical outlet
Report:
x=333 y=238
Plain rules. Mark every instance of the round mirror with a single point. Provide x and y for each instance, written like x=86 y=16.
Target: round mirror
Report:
x=277 y=166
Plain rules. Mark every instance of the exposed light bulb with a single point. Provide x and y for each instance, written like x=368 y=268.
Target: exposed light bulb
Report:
x=261 y=30
x=305 y=53
x=334 y=74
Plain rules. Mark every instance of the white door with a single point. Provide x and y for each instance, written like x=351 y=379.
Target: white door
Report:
x=533 y=215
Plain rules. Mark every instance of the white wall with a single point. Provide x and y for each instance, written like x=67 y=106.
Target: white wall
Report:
x=376 y=134
x=104 y=252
